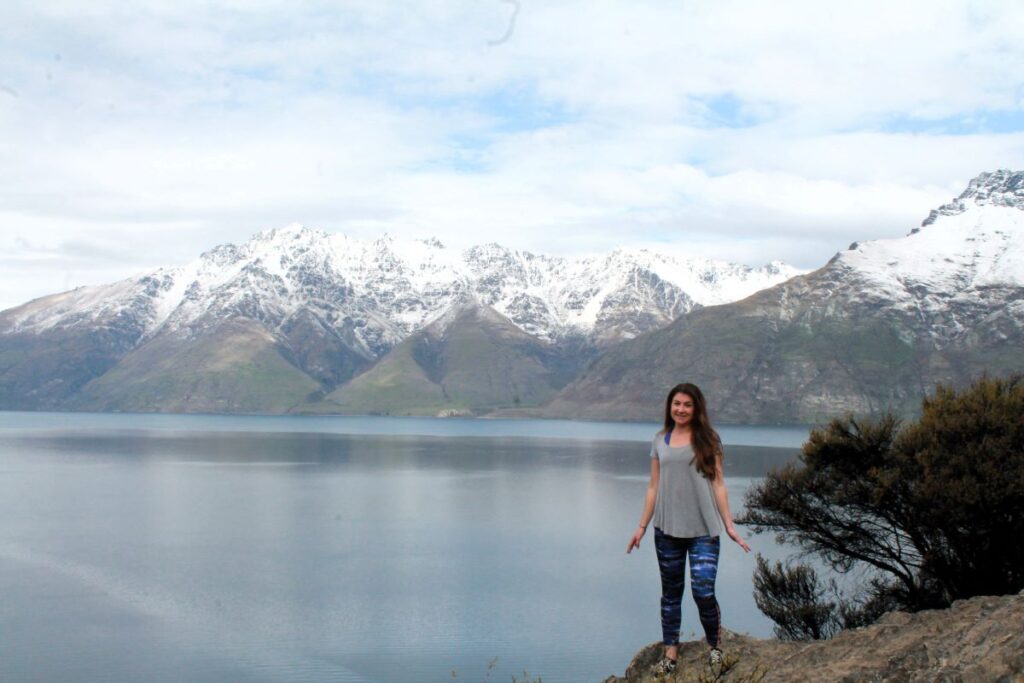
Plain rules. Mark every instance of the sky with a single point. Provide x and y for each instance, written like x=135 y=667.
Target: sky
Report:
x=138 y=135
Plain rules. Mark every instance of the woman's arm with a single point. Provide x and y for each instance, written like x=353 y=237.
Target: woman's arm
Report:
x=722 y=500
x=649 y=500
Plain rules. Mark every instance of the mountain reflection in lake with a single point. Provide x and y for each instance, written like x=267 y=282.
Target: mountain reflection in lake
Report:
x=175 y=554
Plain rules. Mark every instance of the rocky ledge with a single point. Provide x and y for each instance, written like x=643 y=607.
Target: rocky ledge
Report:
x=981 y=639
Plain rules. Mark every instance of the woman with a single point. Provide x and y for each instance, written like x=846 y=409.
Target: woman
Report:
x=687 y=500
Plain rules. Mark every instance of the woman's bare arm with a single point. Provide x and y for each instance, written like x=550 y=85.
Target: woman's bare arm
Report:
x=722 y=500
x=649 y=500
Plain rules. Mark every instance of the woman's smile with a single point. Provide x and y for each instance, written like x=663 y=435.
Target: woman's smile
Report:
x=682 y=409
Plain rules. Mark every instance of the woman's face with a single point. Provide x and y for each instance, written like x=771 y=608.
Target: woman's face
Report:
x=682 y=409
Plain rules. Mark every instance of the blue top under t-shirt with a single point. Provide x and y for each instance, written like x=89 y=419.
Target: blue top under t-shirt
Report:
x=685 y=507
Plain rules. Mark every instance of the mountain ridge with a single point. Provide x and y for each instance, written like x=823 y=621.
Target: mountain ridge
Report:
x=407 y=282
x=339 y=323
x=335 y=306
x=874 y=329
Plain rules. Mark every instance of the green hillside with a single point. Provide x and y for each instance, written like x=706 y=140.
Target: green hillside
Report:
x=236 y=368
x=473 y=360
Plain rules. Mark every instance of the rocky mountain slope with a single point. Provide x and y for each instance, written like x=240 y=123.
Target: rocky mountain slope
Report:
x=471 y=359
x=981 y=639
x=307 y=312
x=296 y=319
x=874 y=329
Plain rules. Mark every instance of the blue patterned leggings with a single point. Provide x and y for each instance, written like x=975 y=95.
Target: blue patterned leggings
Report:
x=703 y=551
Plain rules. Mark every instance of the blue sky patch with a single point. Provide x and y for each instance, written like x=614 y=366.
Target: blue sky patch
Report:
x=729 y=111
x=515 y=108
x=978 y=122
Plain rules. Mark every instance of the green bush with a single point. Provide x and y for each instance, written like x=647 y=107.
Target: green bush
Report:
x=934 y=509
x=795 y=599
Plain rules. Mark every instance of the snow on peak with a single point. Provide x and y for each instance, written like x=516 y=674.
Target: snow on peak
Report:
x=290 y=232
x=386 y=288
x=973 y=244
x=997 y=188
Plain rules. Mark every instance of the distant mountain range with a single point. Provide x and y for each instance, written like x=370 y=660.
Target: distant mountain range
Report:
x=873 y=329
x=299 y=320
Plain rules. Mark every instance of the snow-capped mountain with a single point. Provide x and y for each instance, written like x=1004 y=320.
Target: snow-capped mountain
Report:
x=304 y=312
x=386 y=288
x=873 y=329
x=328 y=305
x=963 y=268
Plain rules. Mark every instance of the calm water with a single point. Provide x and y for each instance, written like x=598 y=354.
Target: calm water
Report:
x=205 y=548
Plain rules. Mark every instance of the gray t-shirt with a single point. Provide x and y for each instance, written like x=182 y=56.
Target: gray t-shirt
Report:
x=685 y=507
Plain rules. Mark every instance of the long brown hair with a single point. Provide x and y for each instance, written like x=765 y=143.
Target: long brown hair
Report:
x=707 y=445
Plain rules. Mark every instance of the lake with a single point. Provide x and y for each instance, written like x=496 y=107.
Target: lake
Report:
x=244 y=548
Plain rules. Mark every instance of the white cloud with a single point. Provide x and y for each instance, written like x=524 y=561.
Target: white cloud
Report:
x=739 y=130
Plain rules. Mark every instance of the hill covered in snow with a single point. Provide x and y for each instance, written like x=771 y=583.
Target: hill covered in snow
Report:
x=306 y=311
x=873 y=329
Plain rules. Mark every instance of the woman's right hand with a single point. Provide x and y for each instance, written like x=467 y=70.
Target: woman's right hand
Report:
x=635 y=541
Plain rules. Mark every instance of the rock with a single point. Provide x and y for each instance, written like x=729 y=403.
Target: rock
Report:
x=455 y=412
x=975 y=640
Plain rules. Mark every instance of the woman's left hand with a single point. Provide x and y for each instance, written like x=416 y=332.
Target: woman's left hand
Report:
x=734 y=535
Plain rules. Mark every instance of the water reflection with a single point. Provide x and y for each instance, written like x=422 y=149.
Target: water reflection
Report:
x=321 y=556
x=379 y=452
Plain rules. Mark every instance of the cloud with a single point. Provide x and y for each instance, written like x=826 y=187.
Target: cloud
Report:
x=745 y=131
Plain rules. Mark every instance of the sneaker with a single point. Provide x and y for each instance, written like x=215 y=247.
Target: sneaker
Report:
x=665 y=666
x=715 y=657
